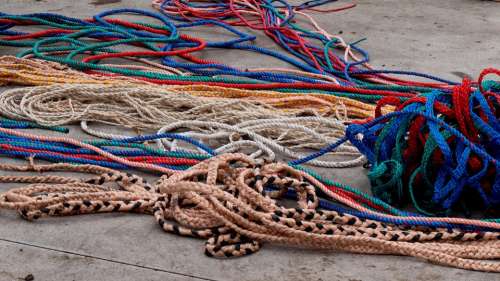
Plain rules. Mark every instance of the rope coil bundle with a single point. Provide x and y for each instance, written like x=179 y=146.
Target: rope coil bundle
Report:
x=453 y=164
x=228 y=200
x=439 y=150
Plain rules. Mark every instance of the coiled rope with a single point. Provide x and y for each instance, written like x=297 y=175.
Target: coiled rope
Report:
x=438 y=151
x=213 y=119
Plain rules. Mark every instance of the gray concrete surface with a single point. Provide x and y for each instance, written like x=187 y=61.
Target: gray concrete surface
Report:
x=447 y=38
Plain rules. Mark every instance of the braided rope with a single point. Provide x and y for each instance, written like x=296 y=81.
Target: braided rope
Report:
x=338 y=192
x=226 y=201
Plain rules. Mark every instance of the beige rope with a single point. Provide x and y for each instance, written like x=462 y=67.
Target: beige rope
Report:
x=225 y=121
x=137 y=107
x=34 y=72
x=224 y=200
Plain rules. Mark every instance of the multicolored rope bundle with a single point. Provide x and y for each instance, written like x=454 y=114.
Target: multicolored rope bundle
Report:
x=438 y=150
x=447 y=146
x=431 y=144
x=66 y=39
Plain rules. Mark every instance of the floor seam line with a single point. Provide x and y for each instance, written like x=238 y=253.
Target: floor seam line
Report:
x=104 y=259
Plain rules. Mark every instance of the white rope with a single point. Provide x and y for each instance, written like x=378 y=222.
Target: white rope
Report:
x=232 y=125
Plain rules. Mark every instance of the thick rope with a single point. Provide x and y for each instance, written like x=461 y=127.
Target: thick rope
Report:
x=230 y=201
x=438 y=151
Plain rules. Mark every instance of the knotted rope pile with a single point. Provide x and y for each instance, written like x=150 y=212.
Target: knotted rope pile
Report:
x=230 y=201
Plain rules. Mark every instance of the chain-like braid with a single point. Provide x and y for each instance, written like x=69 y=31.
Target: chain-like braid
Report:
x=233 y=203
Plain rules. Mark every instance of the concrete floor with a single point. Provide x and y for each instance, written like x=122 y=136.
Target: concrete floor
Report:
x=449 y=38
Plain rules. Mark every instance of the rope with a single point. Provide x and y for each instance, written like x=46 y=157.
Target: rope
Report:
x=147 y=108
x=32 y=72
x=224 y=201
x=138 y=107
x=63 y=147
x=284 y=129
x=393 y=191
x=166 y=41
x=277 y=21
x=120 y=159
x=438 y=151
x=16 y=124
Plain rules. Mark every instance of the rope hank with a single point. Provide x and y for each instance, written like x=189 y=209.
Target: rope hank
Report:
x=438 y=151
x=137 y=107
x=231 y=201
x=34 y=72
x=233 y=124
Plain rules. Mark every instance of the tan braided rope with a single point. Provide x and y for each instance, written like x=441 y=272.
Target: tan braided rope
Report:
x=224 y=200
